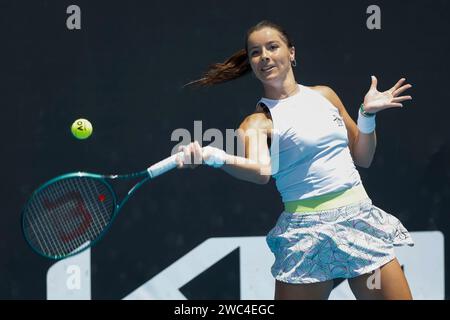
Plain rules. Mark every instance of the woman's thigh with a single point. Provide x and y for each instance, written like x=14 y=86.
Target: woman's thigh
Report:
x=387 y=283
x=310 y=291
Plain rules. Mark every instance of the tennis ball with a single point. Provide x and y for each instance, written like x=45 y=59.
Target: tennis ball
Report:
x=81 y=129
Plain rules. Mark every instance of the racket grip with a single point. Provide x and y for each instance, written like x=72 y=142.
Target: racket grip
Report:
x=164 y=165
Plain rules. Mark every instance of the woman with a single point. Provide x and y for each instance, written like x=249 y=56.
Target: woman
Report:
x=330 y=228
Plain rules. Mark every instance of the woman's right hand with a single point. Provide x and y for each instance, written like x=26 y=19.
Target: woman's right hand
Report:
x=192 y=156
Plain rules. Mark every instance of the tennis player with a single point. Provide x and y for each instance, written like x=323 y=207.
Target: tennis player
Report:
x=329 y=228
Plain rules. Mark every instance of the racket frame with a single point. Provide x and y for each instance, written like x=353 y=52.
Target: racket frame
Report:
x=151 y=172
x=116 y=205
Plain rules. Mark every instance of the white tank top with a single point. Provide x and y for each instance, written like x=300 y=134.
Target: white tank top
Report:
x=311 y=157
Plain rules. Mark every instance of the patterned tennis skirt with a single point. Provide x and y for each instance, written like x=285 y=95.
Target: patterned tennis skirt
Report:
x=338 y=243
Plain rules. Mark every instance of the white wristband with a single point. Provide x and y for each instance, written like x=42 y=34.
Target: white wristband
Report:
x=213 y=157
x=366 y=124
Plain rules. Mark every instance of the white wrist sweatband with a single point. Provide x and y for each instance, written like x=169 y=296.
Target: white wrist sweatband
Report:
x=215 y=157
x=366 y=124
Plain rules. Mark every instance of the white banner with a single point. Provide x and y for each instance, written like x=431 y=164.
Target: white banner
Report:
x=423 y=265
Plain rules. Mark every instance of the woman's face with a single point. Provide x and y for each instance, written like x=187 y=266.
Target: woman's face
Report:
x=269 y=55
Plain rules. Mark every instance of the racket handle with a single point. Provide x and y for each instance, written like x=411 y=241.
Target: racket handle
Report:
x=164 y=165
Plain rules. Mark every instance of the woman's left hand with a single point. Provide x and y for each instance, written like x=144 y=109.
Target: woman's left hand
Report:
x=375 y=101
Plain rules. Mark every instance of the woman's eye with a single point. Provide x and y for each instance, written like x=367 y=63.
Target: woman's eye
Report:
x=254 y=53
x=273 y=47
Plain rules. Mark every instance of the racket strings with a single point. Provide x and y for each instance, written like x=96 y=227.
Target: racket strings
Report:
x=65 y=219
x=67 y=214
x=45 y=226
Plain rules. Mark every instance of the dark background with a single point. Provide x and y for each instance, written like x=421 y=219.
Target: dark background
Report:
x=125 y=70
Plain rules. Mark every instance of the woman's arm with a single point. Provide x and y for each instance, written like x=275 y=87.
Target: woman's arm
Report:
x=362 y=146
x=253 y=166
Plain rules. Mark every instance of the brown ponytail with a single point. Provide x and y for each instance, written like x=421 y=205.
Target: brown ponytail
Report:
x=234 y=67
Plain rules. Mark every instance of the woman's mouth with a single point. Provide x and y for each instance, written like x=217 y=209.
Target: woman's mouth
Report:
x=267 y=69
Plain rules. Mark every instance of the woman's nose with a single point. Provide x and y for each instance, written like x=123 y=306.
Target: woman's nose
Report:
x=264 y=55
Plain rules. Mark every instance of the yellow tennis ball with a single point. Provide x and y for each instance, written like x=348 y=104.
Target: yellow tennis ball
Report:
x=81 y=129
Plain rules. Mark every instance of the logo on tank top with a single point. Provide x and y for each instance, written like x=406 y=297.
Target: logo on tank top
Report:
x=338 y=120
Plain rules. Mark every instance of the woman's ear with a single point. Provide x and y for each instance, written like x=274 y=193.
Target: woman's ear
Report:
x=292 y=53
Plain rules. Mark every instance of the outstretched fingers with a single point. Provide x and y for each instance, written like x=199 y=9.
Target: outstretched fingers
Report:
x=401 y=89
x=398 y=84
x=394 y=105
x=373 y=85
x=401 y=99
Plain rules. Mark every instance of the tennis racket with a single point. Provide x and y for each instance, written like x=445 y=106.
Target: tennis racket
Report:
x=72 y=212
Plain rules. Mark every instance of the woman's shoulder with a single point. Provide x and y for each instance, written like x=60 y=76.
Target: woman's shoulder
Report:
x=325 y=91
x=257 y=120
